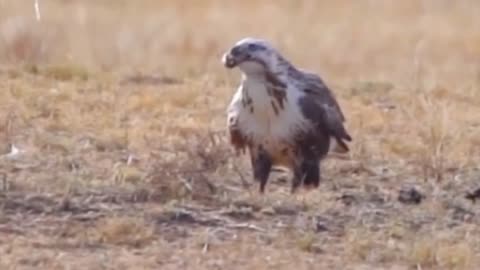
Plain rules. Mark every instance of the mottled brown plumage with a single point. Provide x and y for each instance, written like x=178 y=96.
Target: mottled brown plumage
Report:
x=284 y=116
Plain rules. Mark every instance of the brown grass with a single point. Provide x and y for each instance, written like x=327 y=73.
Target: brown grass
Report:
x=117 y=108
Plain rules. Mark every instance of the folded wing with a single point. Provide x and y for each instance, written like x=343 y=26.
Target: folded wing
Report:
x=320 y=106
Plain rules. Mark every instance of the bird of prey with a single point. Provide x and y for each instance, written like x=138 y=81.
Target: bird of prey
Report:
x=284 y=116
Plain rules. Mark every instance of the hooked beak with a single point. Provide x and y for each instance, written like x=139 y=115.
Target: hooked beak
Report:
x=229 y=60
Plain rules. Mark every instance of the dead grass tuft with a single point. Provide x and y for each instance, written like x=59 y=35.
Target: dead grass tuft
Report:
x=432 y=253
x=128 y=231
x=439 y=134
x=307 y=243
x=66 y=72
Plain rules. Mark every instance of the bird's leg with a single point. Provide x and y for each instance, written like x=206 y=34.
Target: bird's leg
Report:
x=262 y=165
x=311 y=171
x=298 y=178
x=306 y=174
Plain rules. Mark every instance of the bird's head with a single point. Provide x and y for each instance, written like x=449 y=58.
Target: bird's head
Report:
x=251 y=56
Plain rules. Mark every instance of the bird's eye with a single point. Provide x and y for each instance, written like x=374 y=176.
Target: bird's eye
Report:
x=253 y=47
x=235 y=51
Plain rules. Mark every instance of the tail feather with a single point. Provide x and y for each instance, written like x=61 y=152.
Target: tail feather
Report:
x=337 y=145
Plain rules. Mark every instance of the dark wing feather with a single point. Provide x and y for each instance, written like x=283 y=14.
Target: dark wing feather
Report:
x=315 y=85
x=320 y=106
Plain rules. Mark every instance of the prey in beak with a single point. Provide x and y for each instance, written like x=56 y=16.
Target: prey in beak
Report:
x=248 y=55
x=229 y=60
x=235 y=57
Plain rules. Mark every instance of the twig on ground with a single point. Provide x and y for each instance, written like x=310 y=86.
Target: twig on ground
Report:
x=186 y=184
x=205 y=247
x=246 y=226
x=244 y=182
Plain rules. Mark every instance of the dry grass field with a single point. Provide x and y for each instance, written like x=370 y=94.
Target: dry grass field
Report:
x=116 y=114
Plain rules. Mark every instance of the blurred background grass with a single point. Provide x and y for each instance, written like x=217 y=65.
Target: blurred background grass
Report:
x=345 y=40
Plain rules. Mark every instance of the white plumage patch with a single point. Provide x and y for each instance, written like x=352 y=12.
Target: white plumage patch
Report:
x=265 y=125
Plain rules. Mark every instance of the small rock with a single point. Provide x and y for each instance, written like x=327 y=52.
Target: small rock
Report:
x=316 y=249
x=269 y=211
x=286 y=210
x=321 y=224
x=321 y=227
x=459 y=213
x=65 y=205
x=474 y=195
x=348 y=199
x=178 y=216
x=410 y=196
x=244 y=213
x=246 y=204
x=377 y=198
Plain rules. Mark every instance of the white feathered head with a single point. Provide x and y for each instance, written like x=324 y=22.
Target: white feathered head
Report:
x=252 y=55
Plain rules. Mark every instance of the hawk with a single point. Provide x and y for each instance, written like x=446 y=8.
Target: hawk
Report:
x=284 y=116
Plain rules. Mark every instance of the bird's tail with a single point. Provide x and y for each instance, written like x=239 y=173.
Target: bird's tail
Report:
x=338 y=146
